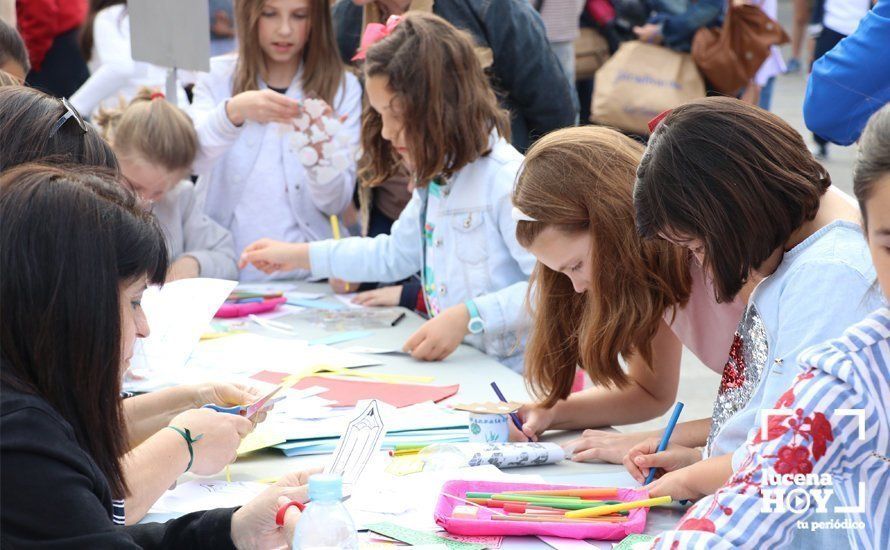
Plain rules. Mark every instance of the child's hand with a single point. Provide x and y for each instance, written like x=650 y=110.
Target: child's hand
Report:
x=387 y=296
x=678 y=485
x=320 y=142
x=535 y=421
x=439 y=336
x=602 y=445
x=339 y=286
x=262 y=106
x=645 y=455
x=270 y=256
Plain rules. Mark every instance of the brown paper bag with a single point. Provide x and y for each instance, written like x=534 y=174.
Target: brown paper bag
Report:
x=639 y=82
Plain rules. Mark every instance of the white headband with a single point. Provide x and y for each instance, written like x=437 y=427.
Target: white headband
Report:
x=520 y=216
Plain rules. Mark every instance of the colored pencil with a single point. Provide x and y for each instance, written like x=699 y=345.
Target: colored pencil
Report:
x=624 y=506
x=581 y=493
x=471 y=503
x=666 y=437
x=547 y=519
x=513 y=416
x=563 y=505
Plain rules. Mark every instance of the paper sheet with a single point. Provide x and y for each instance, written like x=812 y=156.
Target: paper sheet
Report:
x=512 y=455
x=559 y=543
x=192 y=496
x=178 y=314
x=362 y=439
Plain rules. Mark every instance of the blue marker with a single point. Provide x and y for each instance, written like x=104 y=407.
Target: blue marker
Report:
x=678 y=408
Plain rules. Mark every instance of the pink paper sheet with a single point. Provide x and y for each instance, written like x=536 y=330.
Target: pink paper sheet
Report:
x=636 y=520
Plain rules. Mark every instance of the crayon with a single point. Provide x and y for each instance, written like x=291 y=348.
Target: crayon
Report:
x=624 y=506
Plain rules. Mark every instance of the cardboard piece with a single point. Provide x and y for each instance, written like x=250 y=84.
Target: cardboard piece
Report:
x=170 y=33
x=490 y=407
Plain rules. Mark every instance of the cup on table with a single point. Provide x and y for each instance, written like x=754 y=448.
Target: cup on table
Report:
x=489 y=428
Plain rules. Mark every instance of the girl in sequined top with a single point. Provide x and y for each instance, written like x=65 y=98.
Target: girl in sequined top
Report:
x=819 y=438
x=738 y=187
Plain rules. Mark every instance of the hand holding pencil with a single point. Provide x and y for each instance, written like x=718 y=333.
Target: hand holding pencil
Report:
x=645 y=456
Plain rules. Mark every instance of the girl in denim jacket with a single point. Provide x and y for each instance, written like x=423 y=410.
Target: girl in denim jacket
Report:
x=431 y=109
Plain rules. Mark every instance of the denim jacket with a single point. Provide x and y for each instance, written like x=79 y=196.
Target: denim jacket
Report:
x=511 y=38
x=477 y=256
x=680 y=19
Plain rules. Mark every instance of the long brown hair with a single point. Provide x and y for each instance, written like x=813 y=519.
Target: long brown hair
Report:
x=323 y=70
x=70 y=237
x=736 y=177
x=579 y=180
x=151 y=128
x=444 y=100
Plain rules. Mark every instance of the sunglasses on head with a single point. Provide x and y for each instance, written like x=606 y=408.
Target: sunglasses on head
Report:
x=70 y=112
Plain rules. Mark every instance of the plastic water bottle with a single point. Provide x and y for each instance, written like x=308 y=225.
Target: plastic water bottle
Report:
x=325 y=524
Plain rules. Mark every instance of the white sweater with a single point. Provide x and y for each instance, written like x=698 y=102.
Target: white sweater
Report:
x=242 y=168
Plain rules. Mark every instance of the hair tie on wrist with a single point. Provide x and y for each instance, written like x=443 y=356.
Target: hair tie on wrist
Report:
x=157 y=95
x=187 y=435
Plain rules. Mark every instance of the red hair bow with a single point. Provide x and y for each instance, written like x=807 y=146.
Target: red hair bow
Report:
x=157 y=95
x=653 y=124
x=374 y=33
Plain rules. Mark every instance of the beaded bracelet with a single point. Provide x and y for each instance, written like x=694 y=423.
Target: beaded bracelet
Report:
x=187 y=435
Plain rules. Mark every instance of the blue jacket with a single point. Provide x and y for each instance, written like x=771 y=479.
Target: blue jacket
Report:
x=852 y=81
x=475 y=253
x=523 y=67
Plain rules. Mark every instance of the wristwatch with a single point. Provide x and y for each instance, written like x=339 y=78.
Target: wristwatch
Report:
x=475 y=326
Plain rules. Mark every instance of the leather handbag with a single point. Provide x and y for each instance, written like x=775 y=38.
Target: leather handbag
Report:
x=730 y=56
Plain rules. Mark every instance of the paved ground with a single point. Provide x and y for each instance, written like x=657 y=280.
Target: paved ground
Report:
x=698 y=385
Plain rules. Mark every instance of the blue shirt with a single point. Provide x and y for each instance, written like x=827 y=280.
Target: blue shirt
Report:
x=852 y=81
x=823 y=285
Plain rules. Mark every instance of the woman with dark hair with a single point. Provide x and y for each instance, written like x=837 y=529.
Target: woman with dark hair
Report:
x=738 y=187
x=40 y=128
x=76 y=253
x=851 y=372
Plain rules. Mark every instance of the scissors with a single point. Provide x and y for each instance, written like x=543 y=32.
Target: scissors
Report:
x=248 y=410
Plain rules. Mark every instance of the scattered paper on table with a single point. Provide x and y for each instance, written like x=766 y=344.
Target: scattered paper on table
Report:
x=193 y=496
x=634 y=541
x=362 y=439
x=178 y=314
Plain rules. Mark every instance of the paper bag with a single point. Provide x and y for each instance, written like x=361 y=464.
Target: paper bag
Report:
x=639 y=82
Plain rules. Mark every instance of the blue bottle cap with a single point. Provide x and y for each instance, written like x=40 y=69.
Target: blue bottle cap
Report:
x=325 y=487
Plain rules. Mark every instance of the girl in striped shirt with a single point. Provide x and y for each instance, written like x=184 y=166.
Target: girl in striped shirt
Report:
x=832 y=426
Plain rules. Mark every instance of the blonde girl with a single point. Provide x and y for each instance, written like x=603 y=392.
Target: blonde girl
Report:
x=155 y=144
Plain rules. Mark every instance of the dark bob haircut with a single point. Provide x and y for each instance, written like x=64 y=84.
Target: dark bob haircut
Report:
x=70 y=237
x=735 y=177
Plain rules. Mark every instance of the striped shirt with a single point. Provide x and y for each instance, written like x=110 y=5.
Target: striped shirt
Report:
x=837 y=427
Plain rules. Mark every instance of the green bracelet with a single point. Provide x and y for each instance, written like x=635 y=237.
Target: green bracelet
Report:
x=187 y=435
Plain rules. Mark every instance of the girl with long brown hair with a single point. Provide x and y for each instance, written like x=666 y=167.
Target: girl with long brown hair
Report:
x=245 y=109
x=431 y=110
x=600 y=293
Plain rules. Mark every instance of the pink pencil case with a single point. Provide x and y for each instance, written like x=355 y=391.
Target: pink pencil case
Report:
x=484 y=525
x=228 y=311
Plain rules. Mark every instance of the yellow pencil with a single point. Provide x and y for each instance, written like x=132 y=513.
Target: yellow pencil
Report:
x=335 y=229
x=609 y=508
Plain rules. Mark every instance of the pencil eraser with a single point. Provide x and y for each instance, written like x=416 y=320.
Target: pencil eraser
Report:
x=464 y=512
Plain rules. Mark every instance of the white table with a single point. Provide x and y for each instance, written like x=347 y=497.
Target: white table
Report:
x=467 y=366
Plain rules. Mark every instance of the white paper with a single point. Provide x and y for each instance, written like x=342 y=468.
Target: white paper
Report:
x=178 y=314
x=416 y=494
x=362 y=440
x=346 y=299
x=560 y=543
x=193 y=496
x=511 y=455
